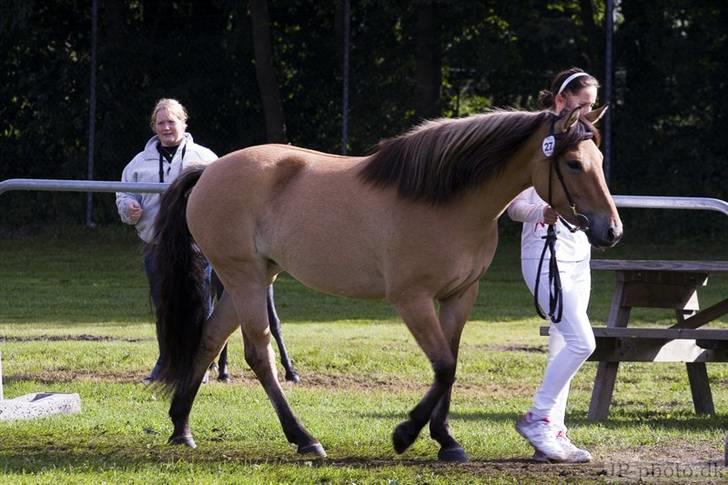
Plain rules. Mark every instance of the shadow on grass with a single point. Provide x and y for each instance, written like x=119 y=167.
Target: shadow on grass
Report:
x=655 y=421
x=74 y=459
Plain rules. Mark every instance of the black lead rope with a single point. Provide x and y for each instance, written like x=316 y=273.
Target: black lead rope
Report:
x=556 y=298
x=556 y=301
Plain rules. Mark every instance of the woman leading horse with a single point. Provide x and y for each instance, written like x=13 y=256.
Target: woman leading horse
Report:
x=415 y=223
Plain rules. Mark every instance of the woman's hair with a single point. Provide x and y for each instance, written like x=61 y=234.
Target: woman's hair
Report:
x=174 y=108
x=572 y=80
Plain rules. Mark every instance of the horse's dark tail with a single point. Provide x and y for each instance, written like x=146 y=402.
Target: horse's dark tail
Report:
x=183 y=291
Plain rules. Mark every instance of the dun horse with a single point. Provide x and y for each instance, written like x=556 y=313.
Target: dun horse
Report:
x=415 y=223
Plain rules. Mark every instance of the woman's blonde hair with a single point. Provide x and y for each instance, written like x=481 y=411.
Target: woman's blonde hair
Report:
x=174 y=108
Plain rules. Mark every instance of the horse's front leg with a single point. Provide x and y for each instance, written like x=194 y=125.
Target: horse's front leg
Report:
x=419 y=316
x=218 y=328
x=454 y=312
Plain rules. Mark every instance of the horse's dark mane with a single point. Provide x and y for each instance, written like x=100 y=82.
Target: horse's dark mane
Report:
x=439 y=159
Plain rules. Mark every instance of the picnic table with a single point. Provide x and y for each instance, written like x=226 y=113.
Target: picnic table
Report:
x=659 y=284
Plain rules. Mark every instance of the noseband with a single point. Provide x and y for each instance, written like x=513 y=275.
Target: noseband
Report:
x=556 y=305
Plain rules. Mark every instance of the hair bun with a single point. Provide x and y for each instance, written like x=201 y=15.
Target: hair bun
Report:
x=545 y=99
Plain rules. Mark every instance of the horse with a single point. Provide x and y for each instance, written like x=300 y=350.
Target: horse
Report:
x=414 y=222
x=221 y=367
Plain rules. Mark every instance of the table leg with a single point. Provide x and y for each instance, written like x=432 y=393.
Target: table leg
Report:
x=697 y=373
x=607 y=371
x=603 y=390
x=700 y=388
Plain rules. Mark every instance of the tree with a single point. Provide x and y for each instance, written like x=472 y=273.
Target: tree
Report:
x=428 y=62
x=265 y=72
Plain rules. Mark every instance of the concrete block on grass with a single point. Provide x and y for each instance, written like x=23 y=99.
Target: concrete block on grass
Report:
x=39 y=404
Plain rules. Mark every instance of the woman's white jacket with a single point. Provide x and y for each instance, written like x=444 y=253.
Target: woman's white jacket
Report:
x=144 y=167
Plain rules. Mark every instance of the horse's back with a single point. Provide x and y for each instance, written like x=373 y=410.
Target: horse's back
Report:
x=275 y=207
x=282 y=207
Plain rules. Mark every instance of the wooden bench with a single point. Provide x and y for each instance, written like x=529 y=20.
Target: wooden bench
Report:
x=658 y=284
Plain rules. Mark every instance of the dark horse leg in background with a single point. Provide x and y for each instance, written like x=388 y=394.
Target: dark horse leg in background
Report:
x=275 y=328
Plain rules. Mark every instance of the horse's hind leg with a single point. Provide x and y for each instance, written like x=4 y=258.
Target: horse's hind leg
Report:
x=218 y=328
x=222 y=365
x=223 y=375
x=420 y=317
x=275 y=329
x=454 y=312
x=250 y=302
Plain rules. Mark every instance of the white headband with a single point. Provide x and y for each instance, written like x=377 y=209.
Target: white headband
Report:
x=569 y=79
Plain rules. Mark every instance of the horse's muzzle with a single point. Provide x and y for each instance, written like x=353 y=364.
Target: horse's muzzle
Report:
x=604 y=233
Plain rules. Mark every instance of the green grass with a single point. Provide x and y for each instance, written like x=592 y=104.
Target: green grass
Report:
x=74 y=317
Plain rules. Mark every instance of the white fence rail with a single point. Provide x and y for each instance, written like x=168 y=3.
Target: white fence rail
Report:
x=627 y=201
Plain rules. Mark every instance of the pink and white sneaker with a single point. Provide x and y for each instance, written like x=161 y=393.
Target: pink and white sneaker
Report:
x=574 y=454
x=541 y=434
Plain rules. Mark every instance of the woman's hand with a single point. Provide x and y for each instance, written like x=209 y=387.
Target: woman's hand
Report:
x=550 y=216
x=134 y=212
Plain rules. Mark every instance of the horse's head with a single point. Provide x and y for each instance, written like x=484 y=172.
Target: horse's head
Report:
x=569 y=176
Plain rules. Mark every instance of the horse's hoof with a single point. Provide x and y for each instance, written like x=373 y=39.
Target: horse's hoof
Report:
x=293 y=377
x=182 y=440
x=456 y=454
x=225 y=378
x=312 y=449
x=402 y=437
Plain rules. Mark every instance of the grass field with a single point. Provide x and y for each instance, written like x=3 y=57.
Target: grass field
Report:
x=74 y=317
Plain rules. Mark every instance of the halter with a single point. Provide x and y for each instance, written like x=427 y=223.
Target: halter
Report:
x=556 y=304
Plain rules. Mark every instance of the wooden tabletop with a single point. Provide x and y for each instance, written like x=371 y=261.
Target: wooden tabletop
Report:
x=658 y=265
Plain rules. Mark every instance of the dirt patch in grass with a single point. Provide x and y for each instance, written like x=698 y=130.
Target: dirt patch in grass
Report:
x=356 y=383
x=537 y=349
x=70 y=338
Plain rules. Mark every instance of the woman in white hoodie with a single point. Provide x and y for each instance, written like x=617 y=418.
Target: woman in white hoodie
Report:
x=165 y=156
x=571 y=341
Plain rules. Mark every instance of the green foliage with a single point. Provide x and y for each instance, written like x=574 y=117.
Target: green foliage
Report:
x=670 y=67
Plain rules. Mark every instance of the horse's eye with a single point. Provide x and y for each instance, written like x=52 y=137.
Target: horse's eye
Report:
x=574 y=165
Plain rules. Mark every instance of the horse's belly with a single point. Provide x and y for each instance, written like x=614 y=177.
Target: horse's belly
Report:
x=334 y=281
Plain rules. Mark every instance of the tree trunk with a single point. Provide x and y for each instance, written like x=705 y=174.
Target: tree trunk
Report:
x=427 y=63
x=594 y=55
x=275 y=126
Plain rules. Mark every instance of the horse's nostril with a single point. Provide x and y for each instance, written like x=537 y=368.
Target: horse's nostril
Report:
x=614 y=235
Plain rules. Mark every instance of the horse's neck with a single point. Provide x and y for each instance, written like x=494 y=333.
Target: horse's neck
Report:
x=498 y=192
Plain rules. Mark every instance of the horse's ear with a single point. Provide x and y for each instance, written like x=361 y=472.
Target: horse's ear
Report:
x=595 y=115
x=564 y=123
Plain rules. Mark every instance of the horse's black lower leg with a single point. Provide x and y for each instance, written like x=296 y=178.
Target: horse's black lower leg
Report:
x=179 y=411
x=222 y=365
x=216 y=290
x=453 y=314
x=450 y=449
x=260 y=359
x=275 y=328
x=406 y=432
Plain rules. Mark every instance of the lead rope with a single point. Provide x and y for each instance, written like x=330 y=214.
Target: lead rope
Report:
x=556 y=295
x=556 y=300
